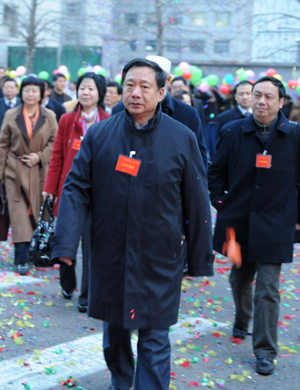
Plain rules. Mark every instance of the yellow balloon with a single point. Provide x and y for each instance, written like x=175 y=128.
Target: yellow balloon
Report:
x=12 y=74
x=68 y=76
x=278 y=77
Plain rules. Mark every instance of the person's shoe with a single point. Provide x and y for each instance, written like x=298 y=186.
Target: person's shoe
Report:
x=82 y=308
x=264 y=365
x=239 y=333
x=23 y=268
x=67 y=294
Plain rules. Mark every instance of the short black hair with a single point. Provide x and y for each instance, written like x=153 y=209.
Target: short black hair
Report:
x=274 y=81
x=100 y=84
x=57 y=75
x=244 y=82
x=6 y=79
x=32 y=80
x=160 y=75
x=179 y=78
x=115 y=84
x=48 y=83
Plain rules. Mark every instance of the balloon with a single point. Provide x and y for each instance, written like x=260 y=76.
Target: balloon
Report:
x=196 y=72
x=186 y=74
x=12 y=74
x=118 y=78
x=279 y=77
x=204 y=87
x=228 y=78
x=178 y=71
x=43 y=75
x=212 y=80
x=24 y=76
x=21 y=70
x=285 y=84
x=250 y=73
x=56 y=71
x=96 y=68
x=68 y=76
x=63 y=69
x=271 y=72
x=225 y=89
x=261 y=75
x=81 y=71
x=242 y=76
x=184 y=65
x=292 y=84
x=298 y=90
x=102 y=72
x=89 y=69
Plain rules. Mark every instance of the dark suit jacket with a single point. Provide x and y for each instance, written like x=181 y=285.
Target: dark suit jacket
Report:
x=66 y=98
x=4 y=108
x=182 y=113
x=227 y=116
x=199 y=107
x=58 y=108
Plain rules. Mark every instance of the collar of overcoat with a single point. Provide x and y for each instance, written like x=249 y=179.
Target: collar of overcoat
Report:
x=21 y=122
x=151 y=125
x=282 y=124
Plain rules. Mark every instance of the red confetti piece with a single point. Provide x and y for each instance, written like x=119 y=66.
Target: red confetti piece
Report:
x=173 y=375
x=235 y=340
x=185 y=364
x=1 y=349
x=197 y=335
x=205 y=359
x=30 y=293
x=289 y=317
x=132 y=314
x=196 y=384
x=216 y=334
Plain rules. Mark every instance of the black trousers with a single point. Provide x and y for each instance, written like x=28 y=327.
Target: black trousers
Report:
x=153 y=360
x=67 y=273
x=266 y=303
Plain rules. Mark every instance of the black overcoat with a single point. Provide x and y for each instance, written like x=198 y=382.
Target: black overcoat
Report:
x=138 y=223
x=259 y=203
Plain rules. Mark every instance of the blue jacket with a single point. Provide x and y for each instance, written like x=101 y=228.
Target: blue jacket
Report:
x=138 y=222
x=259 y=203
x=184 y=114
x=4 y=108
x=228 y=116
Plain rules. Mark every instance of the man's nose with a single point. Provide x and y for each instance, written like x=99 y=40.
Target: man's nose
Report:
x=136 y=91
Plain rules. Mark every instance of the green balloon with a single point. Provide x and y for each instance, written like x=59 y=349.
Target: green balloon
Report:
x=81 y=71
x=43 y=75
x=298 y=90
x=178 y=71
x=102 y=72
x=23 y=77
x=212 y=80
x=118 y=79
x=242 y=76
x=196 y=72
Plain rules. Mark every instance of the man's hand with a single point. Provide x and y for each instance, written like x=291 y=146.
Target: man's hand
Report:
x=66 y=260
x=30 y=159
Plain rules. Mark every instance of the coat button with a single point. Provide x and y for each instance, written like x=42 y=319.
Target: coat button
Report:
x=253 y=213
x=257 y=187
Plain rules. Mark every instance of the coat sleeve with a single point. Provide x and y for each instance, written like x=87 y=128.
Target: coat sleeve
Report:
x=218 y=181
x=57 y=159
x=196 y=125
x=197 y=215
x=4 y=144
x=75 y=203
x=45 y=154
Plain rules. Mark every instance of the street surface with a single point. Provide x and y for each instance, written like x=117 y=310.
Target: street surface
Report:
x=45 y=341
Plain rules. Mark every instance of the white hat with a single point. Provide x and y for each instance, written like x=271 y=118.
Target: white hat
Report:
x=163 y=62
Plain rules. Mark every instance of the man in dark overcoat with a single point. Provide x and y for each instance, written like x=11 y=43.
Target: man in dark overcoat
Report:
x=141 y=175
x=252 y=184
x=242 y=96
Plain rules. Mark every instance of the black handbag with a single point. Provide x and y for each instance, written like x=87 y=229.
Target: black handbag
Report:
x=39 y=249
x=4 y=217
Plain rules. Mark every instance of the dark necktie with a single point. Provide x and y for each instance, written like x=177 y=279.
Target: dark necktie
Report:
x=10 y=104
x=247 y=113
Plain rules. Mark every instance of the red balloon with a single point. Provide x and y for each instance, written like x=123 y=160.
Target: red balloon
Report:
x=271 y=72
x=225 y=89
x=293 y=84
x=186 y=74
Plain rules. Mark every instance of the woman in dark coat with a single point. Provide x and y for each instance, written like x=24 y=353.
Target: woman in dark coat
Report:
x=91 y=89
x=26 y=142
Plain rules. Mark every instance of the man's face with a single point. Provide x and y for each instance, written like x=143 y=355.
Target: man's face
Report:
x=2 y=73
x=141 y=94
x=60 y=84
x=265 y=102
x=10 y=90
x=112 y=97
x=178 y=85
x=243 y=96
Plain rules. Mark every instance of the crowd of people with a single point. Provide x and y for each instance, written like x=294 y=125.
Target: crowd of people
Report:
x=132 y=172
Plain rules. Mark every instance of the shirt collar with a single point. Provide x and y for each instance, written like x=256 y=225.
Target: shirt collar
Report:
x=243 y=110
x=14 y=101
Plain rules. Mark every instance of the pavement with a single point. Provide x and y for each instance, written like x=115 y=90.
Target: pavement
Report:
x=46 y=344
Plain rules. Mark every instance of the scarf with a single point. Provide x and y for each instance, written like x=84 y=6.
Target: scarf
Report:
x=30 y=121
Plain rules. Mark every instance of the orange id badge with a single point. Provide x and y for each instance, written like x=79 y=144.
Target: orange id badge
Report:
x=263 y=160
x=128 y=165
x=76 y=144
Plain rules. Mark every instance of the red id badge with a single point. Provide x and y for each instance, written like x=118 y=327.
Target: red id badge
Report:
x=128 y=165
x=263 y=160
x=76 y=144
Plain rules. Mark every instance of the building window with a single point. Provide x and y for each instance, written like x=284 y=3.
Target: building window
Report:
x=172 y=46
x=198 y=18
x=222 y=18
x=73 y=8
x=72 y=37
x=131 y=18
x=175 y=20
x=150 y=18
x=132 y=45
x=150 y=45
x=10 y=19
x=197 y=46
x=221 y=47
